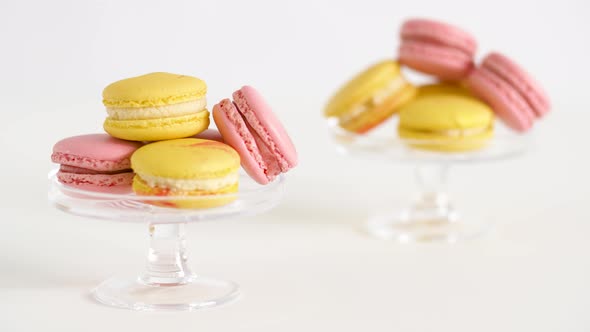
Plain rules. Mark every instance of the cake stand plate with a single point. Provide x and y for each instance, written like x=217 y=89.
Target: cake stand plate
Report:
x=167 y=282
x=432 y=217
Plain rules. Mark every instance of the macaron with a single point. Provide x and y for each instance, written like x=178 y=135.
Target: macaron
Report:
x=187 y=167
x=156 y=106
x=515 y=96
x=370 y=98
x=95 y=162
x=446 y=123
x=250 y=126
x=437 y=48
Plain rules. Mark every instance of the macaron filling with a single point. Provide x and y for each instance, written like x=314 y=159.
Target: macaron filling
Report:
x=159 y=111
x=81 y=170
x=378 y=97
x=184 y=185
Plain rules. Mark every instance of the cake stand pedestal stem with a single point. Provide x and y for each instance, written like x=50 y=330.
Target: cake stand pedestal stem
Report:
x=433 y=200
x=167 y=259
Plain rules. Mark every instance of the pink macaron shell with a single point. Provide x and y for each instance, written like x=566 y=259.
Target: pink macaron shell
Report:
x=446 y=63
x=504 y=100
x=99 y=152
x=235 y=132
x=119 y=183
x=522 y=81
x=439 y=32
x=210 y=134
x=260 y=117
x=273 y=168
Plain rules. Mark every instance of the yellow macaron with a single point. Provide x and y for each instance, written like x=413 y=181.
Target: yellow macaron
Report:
x=446 y=122
x=156 y=106
x=187 y=167
x=370 y=98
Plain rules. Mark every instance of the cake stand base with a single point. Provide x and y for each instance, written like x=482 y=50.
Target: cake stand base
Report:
x=193 y=293
x=431 y=218
x=404 y=227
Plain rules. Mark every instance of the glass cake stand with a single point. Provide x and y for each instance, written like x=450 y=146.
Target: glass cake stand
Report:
x=431 y=217
x=167 y=282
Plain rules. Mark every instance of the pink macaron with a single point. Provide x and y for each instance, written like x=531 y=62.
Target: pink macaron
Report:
x=437 y=48
x=513 y=94
x=95 y=162
x=249 y=125
x=210 y=134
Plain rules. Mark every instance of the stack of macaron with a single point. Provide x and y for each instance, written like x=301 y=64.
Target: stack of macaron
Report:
x=455 y=112
x=158 y=143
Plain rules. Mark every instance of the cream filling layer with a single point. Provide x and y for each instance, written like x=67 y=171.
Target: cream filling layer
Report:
x=155 y=112
x=376 y=99
x=190 y=184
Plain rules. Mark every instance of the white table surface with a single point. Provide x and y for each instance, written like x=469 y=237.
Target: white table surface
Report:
x=303 y=266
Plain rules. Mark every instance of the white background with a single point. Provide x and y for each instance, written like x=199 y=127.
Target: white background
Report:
x=302 y=266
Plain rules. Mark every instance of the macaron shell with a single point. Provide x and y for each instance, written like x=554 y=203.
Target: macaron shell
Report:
x=99 y=152
x=260 y=117
x=198 y=199
x=362 y=87
x=439 y=32
x=188 y=158
x=441 y=61
x=106 y=183
x=443 y=88
x=520 y=80
x=445 y=112
x=445 y=143
x=158 y=129
x=236 y=134
x=153 y=89
x=507 y=103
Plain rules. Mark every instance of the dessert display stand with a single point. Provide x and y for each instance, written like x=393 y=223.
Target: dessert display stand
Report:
x=431 y=217
x=167 y=282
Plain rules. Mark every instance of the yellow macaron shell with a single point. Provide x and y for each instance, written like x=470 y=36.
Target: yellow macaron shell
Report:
x=154 y=89
x=443 y=88
x=446 y=122
x=187 y=160
x=158 y=129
